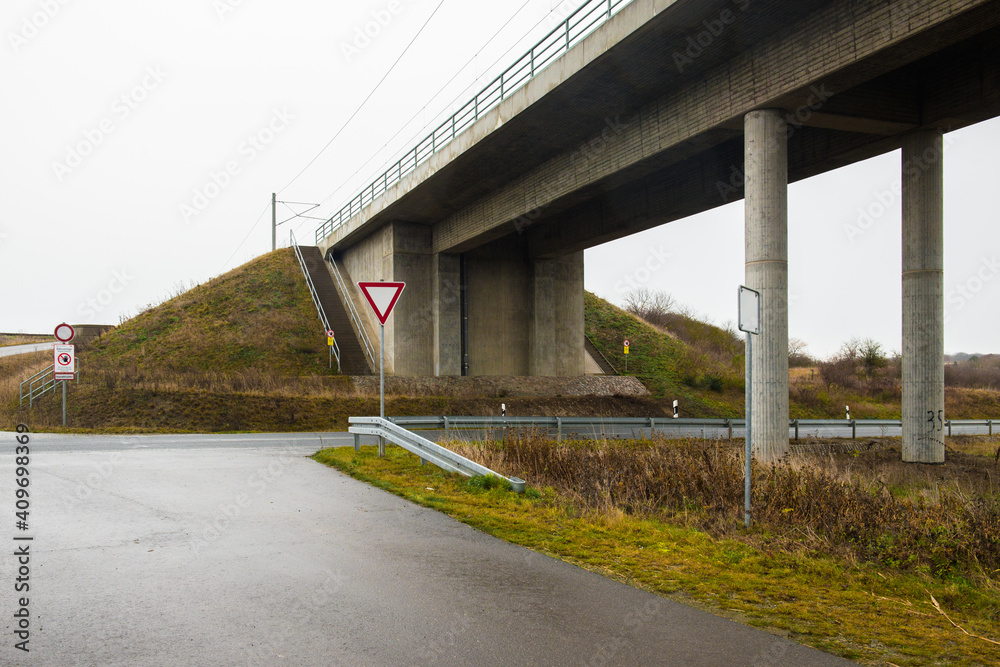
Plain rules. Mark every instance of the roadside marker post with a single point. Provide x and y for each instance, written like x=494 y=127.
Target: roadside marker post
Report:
x=749 y=317
x=382 y=297
x=329 y=344
x=626 y=355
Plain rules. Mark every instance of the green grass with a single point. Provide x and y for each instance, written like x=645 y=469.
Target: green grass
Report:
x=868 y=613
x=258 y=316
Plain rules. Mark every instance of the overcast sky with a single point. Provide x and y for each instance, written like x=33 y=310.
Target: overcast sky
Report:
x=141 y=142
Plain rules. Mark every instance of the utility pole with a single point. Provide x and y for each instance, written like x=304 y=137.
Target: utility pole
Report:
x=274 y=221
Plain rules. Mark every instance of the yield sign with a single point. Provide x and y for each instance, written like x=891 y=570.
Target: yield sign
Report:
x=382 y=297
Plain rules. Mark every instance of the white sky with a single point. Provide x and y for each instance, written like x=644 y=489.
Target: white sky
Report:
x=163 y=96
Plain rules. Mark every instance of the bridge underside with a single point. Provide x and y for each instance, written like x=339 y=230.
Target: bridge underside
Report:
x=653 y=130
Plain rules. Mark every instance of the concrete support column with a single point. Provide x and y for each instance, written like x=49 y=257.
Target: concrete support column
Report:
x=766 y=168
x=447 y=309
x=923 y=297
x=542 y=337
x=556 y=327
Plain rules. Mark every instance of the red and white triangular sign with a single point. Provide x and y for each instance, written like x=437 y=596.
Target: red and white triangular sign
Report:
x=382 y=297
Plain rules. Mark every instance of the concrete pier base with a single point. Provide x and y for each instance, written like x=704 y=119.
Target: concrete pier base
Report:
x=923 y=297
x=766 y=168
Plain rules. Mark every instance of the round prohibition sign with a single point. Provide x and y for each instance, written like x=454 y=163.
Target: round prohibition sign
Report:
x=64 y=333
x=64 y=359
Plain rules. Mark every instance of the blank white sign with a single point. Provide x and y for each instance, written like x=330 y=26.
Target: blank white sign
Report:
x=749 y=310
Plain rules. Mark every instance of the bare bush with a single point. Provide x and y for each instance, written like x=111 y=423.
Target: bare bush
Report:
x=977 y=372
x=654 y=307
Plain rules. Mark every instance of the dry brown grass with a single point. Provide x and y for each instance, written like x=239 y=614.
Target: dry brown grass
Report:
x=18 y=367
x=25 y=339
x=849 y=510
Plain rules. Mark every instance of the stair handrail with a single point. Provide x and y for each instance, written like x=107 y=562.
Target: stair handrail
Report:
x=41 y=383
x=353 y=313
x=315 y=297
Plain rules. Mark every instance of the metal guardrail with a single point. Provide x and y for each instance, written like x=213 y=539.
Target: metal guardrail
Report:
x=583 y=21
x=41 y=383
x=424 y=448
x=353 y=312
x=315 y=297
x=600 y=424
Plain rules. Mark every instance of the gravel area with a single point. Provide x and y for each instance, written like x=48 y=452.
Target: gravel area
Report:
x=501 y=386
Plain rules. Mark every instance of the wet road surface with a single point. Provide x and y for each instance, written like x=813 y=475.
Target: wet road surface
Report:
x=239 y=550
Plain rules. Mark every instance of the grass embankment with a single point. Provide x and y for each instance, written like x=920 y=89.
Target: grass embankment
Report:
x=226 y=355
x=707 y=380
x=702 y=366
x=245 y=351
x=835 y=560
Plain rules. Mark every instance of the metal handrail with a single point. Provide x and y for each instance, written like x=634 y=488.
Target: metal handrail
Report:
x=580 y=23
x=353 y=312
x=315 y=297
x=41 y=383
x=427 y=451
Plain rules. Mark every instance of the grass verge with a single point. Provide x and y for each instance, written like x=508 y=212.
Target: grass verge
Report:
x=867 y=612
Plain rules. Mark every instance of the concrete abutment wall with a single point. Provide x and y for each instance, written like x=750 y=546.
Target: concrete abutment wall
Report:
x=525 y=315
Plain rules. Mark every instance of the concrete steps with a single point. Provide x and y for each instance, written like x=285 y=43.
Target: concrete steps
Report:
x=352 y=357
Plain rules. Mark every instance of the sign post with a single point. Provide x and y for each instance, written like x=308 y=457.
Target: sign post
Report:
x=749 y=310
x=626 y=355
x=64 y=366
x=382 y=297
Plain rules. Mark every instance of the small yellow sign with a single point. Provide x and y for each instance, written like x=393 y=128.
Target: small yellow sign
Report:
x=329 y=341
x=626 y=349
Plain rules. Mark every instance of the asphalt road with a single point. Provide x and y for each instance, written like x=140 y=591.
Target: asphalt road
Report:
x=239 y=550
x=9 y=350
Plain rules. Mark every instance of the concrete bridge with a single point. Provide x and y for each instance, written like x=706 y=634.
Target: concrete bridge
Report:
x=666 y=109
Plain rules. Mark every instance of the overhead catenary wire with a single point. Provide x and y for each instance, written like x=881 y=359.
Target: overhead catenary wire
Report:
x=365 y=101
x=253 y=227
x=457 y=96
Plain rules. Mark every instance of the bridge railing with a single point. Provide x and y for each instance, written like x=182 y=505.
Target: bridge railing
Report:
x=580 y=23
